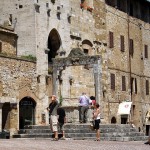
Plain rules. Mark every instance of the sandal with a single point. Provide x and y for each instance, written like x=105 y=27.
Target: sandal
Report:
x=55 y=139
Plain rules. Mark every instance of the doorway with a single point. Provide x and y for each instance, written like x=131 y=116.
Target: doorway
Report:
x=113 y=120
x=147 y=130
x=26 y=112
x=124 y=119
x=6 y=116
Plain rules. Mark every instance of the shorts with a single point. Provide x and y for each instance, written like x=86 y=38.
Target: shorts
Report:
x=97 y=122
x=53 y=123
x=61 y=126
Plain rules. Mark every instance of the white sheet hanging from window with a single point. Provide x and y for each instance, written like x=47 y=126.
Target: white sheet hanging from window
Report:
x=124 y=108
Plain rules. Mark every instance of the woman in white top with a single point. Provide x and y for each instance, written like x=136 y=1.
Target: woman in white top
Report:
x=96 y=118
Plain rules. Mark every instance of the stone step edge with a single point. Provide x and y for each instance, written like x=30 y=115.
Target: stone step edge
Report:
x=123 y=139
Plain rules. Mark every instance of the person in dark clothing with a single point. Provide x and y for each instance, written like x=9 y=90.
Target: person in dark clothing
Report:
x=61 y=120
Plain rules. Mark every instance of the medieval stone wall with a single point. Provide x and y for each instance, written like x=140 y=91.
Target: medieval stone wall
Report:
x=21 y=16
x=8 y=42
x=122 y=64
x=86 y=26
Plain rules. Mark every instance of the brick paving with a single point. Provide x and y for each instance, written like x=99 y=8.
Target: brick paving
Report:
x=47 y=144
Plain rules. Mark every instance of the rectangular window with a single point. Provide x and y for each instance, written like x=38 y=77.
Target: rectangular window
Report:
x=112 y=81
x=122 y=43
x=38 y=79
x=47 y=5
x=131 y=47
x=123 y=83
x=111 y=39
x=0 y=47
x=146 y=51
x=147 y=87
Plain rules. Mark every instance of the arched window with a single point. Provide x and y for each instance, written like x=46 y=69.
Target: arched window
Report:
x=87 y=47
x=54 y=43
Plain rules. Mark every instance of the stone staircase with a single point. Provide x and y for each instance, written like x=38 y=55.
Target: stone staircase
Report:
x=108 y=132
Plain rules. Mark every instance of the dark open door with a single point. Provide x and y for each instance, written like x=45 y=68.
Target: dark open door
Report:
x=26 y=112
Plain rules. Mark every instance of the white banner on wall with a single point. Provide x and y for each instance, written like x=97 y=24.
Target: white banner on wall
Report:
x=124 y=108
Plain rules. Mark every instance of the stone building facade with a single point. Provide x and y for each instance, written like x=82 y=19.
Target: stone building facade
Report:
x=95 y=46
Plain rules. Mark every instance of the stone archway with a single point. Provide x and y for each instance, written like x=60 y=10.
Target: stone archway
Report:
x=75 y=59
x=78 y=58
x=54 y=43
x=26 y=112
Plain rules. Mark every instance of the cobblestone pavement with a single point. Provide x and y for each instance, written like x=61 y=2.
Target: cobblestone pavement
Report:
x=47 y=144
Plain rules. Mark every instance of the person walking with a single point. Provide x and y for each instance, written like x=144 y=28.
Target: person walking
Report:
x=96 y=119
x=84 y=102
x=61 y=120
x=53 y=116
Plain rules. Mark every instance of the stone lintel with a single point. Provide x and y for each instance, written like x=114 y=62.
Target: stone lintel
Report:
x=13 y=105
x=75 y=61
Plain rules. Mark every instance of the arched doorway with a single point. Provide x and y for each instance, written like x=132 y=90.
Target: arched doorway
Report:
x=26 y=112
x=113 y=120
x=54 y=43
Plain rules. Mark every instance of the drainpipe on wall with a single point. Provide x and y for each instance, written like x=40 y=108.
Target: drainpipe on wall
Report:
x=128 y=21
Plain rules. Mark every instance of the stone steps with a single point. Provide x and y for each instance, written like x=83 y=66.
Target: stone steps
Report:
x=83 y=131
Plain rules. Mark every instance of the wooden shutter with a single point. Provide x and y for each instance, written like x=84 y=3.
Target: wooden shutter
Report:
x=146 y=51
x=111 y=39
x=113 y=81
x=122 y=43
x=147 y=87
x=123 y=83
x=131 y=47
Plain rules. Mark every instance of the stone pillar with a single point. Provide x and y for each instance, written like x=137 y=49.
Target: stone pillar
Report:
x=97 y=79
x=54 y=80
x=1 y=105
x=13 y=118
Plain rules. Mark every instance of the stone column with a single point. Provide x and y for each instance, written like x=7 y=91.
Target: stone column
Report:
x=13 y=118
x=1 y=105
x=54 y=80
x=97 y=80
